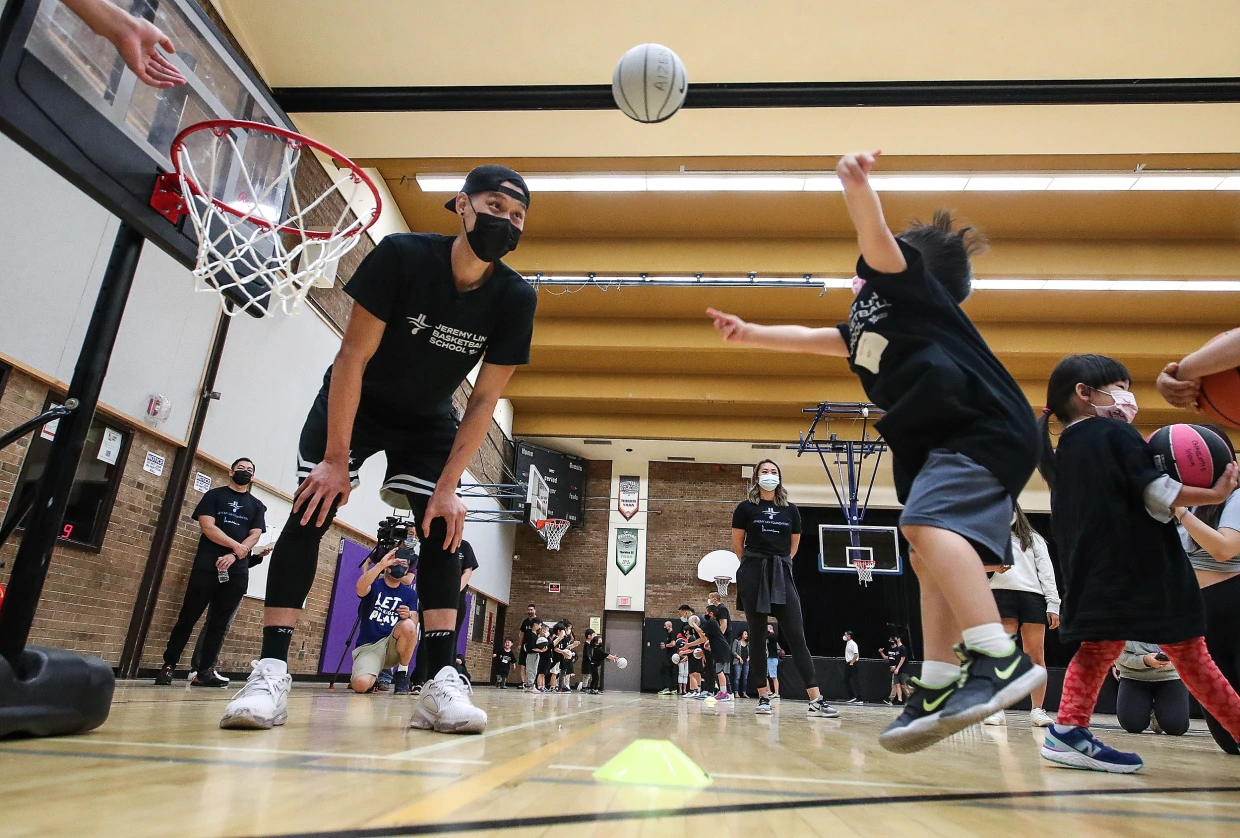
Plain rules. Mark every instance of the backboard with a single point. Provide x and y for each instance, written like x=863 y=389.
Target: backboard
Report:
x=839 y=546
x=68 y=98
x=717 y=564
x=537 y=498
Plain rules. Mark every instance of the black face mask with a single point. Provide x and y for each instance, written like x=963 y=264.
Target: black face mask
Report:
x=396 y=571
x=242 y=478
x=492 y=236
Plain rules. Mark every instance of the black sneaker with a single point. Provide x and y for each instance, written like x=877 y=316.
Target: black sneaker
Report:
x=764 y=706
x=164 y=677
x=209 y=678
x=400 y=684
x=920 y=725
x=989 y=684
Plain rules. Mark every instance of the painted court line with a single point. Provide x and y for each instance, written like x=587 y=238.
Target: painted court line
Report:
x=805 y=780
x=272 y=751
x=451 y=743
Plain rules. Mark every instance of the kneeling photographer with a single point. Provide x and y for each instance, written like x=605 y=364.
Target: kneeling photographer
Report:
x=389 y=619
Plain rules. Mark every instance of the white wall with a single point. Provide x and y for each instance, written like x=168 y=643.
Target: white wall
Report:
x=493 y=545
x=54 y=247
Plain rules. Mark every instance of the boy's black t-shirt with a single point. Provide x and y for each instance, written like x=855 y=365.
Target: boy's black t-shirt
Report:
x=505 y=660
x=529 y=639
x=896 y=653
x=768 y=528
x=1125 y=574
x=435 y=335
x=465 y=555
x=720 y=651
x=772 y=646
x=921 y=359
x=235 y=513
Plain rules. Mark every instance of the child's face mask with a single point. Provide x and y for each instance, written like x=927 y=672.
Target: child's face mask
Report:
x=1125 y=407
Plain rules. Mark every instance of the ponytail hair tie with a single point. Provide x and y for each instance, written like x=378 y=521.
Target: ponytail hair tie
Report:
x=1046 y=411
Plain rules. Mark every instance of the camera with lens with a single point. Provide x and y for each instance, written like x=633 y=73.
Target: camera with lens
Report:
x=395 y=534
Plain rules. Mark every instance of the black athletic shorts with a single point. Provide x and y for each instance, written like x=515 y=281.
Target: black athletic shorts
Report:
x=696 y=664
x=1023 y=606
x=417 y=448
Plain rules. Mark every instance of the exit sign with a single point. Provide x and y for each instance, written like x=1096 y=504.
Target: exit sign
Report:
x=553 y=587
x=624 y=602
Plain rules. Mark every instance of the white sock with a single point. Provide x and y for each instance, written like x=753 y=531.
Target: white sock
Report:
x=402 y=668
x=989 y=638
x=936 y=674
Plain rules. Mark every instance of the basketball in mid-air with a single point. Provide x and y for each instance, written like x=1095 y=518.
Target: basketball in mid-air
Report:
x=649 y=83
x=1220 y=394
x=622 y=663
x=1190 y=454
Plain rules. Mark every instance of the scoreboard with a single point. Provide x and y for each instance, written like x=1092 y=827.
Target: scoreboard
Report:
x=565 y=476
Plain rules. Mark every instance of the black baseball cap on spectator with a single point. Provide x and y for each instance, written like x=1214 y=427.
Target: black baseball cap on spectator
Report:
x=491 y=178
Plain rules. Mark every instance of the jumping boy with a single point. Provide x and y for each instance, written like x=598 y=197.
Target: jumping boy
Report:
x=963 y=441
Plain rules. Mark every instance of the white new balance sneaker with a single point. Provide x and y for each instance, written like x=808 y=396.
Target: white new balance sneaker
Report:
x=263 y=702
x=996 y=718
x=444 y=705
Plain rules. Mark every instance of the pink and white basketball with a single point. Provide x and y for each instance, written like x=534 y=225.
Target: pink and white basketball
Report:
x=1191 y=454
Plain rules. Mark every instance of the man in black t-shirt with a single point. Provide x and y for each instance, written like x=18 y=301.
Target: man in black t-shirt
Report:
x=668 y=647
x=531 y=614
x=232 y=521
x=427 y=308
x=530 y=652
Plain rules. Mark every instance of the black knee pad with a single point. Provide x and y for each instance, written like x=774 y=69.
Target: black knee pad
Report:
x=294 y=562
x=439 y=572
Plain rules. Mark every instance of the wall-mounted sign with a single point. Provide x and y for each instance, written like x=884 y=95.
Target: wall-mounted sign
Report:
x=624 y=602
x=626 y=549
x=630 y=495
x=553 y=587
x=154 y=464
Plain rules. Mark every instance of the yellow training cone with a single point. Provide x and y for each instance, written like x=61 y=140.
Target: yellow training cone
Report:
x=653 y=762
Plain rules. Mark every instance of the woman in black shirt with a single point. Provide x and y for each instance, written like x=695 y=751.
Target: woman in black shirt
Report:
x=766 y=530
x=1125 y=571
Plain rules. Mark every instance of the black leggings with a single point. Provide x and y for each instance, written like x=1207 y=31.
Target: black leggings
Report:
x=205 y=589
x=1167 y=700
x=1223 y=641
x=793 y=628
x=296 y=558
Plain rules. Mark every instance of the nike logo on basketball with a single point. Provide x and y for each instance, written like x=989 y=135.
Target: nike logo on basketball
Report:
x=1004 y=674
x=931 y=706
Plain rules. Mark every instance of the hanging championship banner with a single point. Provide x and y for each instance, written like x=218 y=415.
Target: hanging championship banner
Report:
x=626 y=549
x=630 y=494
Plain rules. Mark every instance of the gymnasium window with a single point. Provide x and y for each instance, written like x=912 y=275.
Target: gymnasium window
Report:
x=94 y=485
x=478 y=630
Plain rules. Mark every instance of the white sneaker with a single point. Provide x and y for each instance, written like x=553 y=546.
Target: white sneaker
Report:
x=995 y=718
x=444 y=705
x=1040 y=718
x=263 y=702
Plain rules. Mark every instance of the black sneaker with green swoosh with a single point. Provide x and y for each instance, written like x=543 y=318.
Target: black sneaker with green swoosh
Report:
x=918 y=726
x=989 y=684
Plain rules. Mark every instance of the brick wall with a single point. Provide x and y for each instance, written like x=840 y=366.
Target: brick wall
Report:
x=580 y=565
x=696 y=500
x=478 y=653
x=88 y=597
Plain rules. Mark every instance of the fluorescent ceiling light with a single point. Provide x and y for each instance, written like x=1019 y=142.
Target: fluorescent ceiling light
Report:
x=818 y=282
x=918 y=183
x=1164 y=183
x=1007 y=184
x=827 y=182
x=1091 y=183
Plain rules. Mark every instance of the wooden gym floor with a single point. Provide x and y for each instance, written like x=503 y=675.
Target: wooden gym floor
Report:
x=346 y=766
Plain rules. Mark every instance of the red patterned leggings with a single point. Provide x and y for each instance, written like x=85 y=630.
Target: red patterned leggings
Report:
x=1192 y=661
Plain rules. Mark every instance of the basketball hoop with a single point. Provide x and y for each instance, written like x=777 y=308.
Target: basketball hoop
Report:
x=721 y=584
x=865 y=570
x=552 y=530
x=235 y=180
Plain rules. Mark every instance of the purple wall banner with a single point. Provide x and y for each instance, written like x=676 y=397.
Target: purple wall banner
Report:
x=342 y=613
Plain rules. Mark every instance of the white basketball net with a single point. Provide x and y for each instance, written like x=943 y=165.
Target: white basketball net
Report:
x=865 y=571
x=721 y=584
x=244 y=253
x=552 y=530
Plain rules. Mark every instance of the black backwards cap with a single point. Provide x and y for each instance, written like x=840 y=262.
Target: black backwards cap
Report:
x=490 y=178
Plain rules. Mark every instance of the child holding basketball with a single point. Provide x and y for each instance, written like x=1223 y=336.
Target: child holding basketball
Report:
x=1125 y=572
x=963 y=442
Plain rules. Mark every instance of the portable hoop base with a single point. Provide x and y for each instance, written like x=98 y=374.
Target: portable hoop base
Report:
x=865 y=571
x=552 y=530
